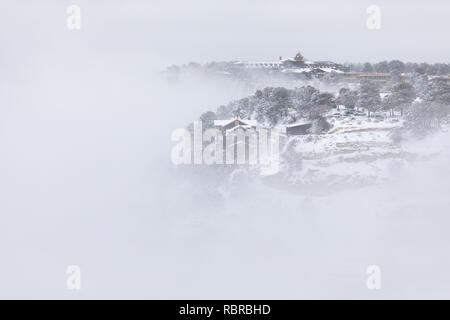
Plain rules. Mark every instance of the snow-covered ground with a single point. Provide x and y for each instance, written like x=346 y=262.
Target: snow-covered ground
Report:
x=355 y=152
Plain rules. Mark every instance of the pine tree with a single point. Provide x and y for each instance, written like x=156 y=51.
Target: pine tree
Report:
x=369 y=97
x=401 y=97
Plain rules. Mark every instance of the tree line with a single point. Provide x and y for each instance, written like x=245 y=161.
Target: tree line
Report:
x=424 y=104
x=399 y=66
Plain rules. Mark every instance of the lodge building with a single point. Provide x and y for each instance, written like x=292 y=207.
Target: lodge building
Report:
x=298 y=62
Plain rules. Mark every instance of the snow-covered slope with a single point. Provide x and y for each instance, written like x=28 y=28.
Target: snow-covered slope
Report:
x=356 y=152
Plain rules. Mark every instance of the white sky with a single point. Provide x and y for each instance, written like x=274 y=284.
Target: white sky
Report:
x=178 y=31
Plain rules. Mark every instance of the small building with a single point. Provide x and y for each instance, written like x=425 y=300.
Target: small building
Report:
x=298 y=129
x=229 y=124
x=371 y=76
x=436 y=79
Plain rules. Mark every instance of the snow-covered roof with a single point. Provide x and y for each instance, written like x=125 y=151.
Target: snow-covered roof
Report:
x=325 y=62
x=310 y=69
x=245 y=127
x=296 y=70
x=261 y=64
x=331 y=70
x=300 y=123
x=222 y=123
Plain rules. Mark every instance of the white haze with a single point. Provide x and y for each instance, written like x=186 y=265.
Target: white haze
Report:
x=86 y=176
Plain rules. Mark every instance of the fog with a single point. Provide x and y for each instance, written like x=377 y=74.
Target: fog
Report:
x=86 y=177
